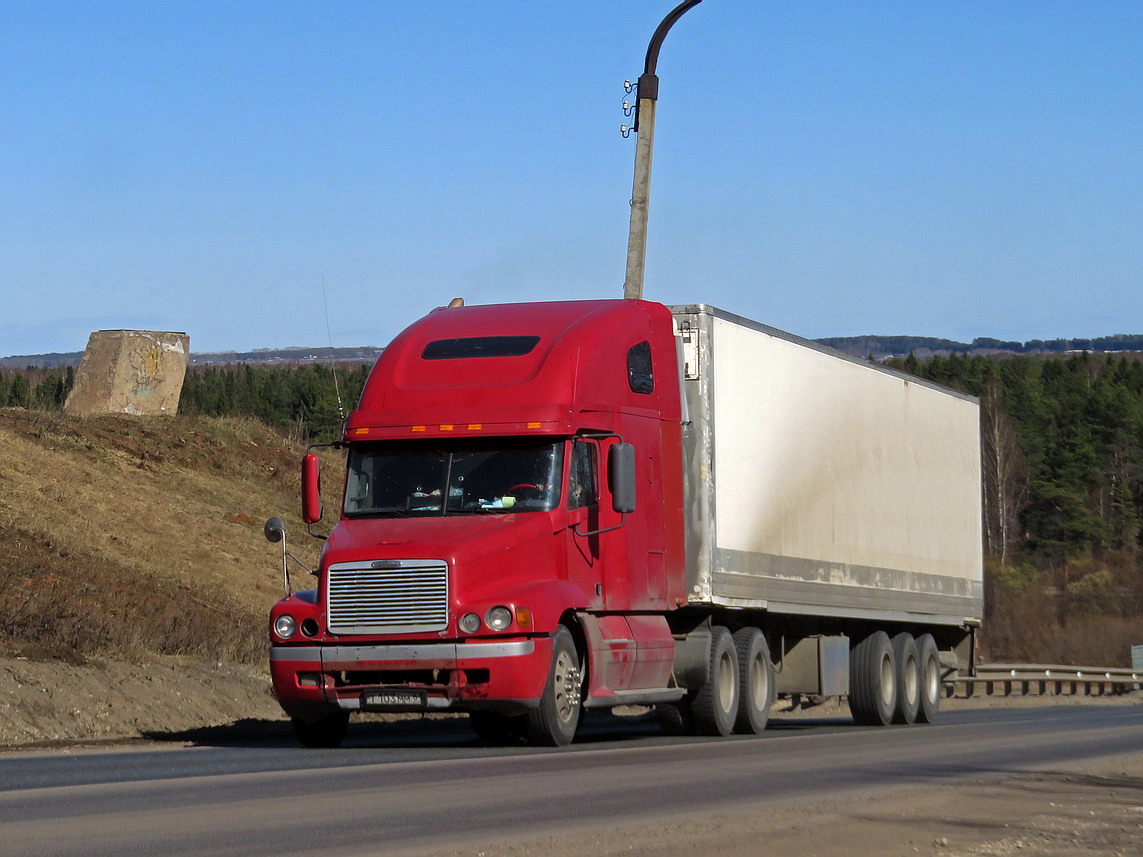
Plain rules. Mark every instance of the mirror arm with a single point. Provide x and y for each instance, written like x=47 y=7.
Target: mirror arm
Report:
x=579 y=532
x=601 y=435
x=286 y=556
x=275 y=531
x=333 y=444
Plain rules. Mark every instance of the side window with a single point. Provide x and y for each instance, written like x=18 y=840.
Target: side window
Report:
x=582 y=480
x=639 y=368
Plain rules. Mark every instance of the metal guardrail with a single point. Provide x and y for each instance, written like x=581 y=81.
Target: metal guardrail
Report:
x=1042 y=680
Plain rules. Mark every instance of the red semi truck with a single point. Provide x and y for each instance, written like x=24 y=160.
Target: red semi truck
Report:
x=552 y=507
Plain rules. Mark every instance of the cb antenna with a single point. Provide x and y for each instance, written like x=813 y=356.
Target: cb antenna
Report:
x=332 y=362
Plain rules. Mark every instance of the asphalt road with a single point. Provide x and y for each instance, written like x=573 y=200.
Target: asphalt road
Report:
x=421 y=785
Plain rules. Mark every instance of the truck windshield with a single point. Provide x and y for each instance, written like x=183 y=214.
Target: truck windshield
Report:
x=412 y=479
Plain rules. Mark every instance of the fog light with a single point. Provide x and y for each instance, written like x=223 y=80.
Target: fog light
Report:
x=498 y=618
x=469 y=623
x=284 y=626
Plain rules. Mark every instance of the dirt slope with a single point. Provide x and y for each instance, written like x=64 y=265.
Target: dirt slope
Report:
x=122 y=535
x=131 y=549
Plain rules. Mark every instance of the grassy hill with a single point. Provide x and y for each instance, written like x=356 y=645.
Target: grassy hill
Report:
x=126 y=536
x=136 y=580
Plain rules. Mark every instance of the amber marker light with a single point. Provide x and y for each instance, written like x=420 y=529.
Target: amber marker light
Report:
x=524 y=618
x=418 y=428
x=533 y=425
x=474 y=426
x=446 y=426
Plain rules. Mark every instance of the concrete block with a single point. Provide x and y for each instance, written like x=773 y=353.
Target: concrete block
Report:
x=130 y=372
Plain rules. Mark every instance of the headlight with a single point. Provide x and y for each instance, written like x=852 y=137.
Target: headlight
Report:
x=469 y=623
x=498 y=618
x=284 y=626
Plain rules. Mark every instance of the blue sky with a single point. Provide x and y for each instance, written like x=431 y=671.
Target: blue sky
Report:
x=830 y=168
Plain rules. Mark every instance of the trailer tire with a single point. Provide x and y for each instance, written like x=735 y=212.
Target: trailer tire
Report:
x=715 y=704
x=554 y=722
x=908 y=678
x=328 y=732
x=929 y=664
x=872 y=681
x=755 y=681
x=496 y=728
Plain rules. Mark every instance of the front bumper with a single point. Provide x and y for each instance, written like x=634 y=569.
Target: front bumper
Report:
x=503 y=675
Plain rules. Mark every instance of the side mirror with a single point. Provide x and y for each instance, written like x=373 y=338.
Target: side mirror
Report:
x=311 y=489
x=621 y=477
x=274 y=530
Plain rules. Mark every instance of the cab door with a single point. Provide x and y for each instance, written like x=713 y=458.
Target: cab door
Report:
x=584 y=544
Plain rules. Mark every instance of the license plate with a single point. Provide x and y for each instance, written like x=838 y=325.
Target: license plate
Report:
x=393 y=698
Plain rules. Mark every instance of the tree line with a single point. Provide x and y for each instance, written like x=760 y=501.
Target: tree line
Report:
x=303 y=399
x=909 y=344
x=43 y=389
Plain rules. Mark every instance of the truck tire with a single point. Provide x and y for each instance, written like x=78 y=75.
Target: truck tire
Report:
x=496 y=728
x=675 y=717
x=554 y=722
x=715 y=704
x=929 y=664
x=872 y=681
x=326 y=733
x=755 y=681
x=908 y=678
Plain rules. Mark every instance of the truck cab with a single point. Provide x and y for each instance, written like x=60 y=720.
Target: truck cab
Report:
x=511 y=530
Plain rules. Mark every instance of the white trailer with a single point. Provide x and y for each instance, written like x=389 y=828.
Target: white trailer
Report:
x=835 y=505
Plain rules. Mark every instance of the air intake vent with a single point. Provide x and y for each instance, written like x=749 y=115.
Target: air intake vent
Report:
x=408 y=598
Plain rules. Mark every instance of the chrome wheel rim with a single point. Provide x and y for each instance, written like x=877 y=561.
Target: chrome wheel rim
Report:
x=567 y=686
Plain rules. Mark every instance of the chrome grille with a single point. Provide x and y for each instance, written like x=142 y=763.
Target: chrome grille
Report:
x=388 y=597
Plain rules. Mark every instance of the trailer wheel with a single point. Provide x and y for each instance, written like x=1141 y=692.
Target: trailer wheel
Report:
x=327 y=732
x=908 y=678
x=554 y=722
x=755 y=681
x=496 y=728
x=929 y=663
x=715 y=704
x=872 y=681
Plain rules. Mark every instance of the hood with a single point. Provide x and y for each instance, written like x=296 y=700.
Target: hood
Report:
x=456 y=539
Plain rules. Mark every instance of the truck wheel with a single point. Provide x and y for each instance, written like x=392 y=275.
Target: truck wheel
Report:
x=908 y=678
x=554 y=722
x=755 y=681
x=872 y=681
x=715 y=704
x=675 y=717
x=929 y=663
x=327 y=732
x=496 y=728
